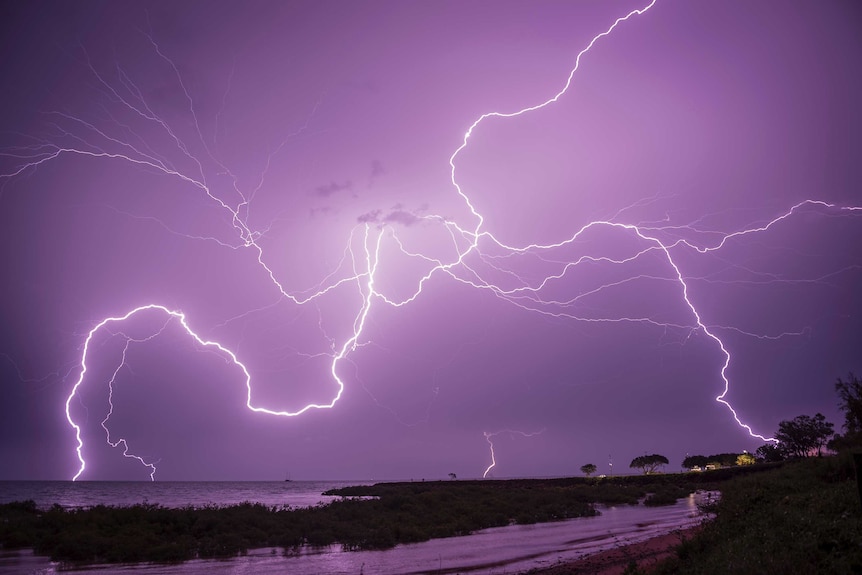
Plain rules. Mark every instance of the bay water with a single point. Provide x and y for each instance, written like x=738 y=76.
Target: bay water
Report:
x=80 y=494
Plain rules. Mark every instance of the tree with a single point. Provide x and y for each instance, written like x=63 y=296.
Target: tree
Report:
x=850 y=402
x=453 y=477
x=588 y=469
x=822 y=431
x=745 y=459
x=695 y=461
x=724 y=459
x=717 y=460
x=803 y=434
x=769 y=453
x=648 y=463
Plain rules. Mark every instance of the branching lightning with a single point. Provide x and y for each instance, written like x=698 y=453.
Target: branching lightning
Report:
x=371 y=259
x=471 y=247
x=490 y=435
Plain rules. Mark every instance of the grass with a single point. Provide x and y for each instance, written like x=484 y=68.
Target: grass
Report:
x=804 y=517
x=395 y=513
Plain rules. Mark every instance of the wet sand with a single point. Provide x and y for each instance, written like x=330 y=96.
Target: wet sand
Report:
x=615 y=561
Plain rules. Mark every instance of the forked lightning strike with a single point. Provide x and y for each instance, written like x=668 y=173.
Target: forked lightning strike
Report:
x=489 y=435
x=465 y=244
x=371 y=256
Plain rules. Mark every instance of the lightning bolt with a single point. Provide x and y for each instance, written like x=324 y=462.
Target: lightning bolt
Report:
x=104 y=423
x=371 y=258
x=488 y=439
x=473 y=249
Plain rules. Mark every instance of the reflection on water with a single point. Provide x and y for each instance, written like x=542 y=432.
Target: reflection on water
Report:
x=499 y=550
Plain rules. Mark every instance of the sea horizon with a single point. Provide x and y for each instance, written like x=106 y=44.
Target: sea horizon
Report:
x=175 y=494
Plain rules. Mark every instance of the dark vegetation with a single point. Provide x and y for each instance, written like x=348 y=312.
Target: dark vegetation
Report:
x=716 y=460
x=398 y=513
x=801 y=517
x=850 y=401
x=649 y=463
x=803 y=435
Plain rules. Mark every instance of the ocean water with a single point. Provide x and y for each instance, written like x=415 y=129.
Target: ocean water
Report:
x=501 y=550
x=170 y=493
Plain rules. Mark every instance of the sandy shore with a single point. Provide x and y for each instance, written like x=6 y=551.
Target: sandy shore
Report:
x=614 y=561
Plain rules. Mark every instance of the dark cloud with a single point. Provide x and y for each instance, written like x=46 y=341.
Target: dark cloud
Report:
x=401 y=217
x=377 y=170
x=322 y=211
x=326 y=190
x=396 y=215
x=369 y=217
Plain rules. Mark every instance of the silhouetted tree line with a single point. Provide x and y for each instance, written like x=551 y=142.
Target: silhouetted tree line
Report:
x=802 y=436
x=805 y=436
x=850 y=402
x=718 y=460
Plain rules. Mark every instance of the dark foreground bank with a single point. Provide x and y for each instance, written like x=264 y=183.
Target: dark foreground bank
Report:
x=369 y=517
x=804 y=517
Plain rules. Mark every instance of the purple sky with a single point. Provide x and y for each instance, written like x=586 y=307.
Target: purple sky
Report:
x=232 y=161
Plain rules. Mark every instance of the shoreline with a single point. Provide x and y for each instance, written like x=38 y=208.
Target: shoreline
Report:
x=645 y=554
